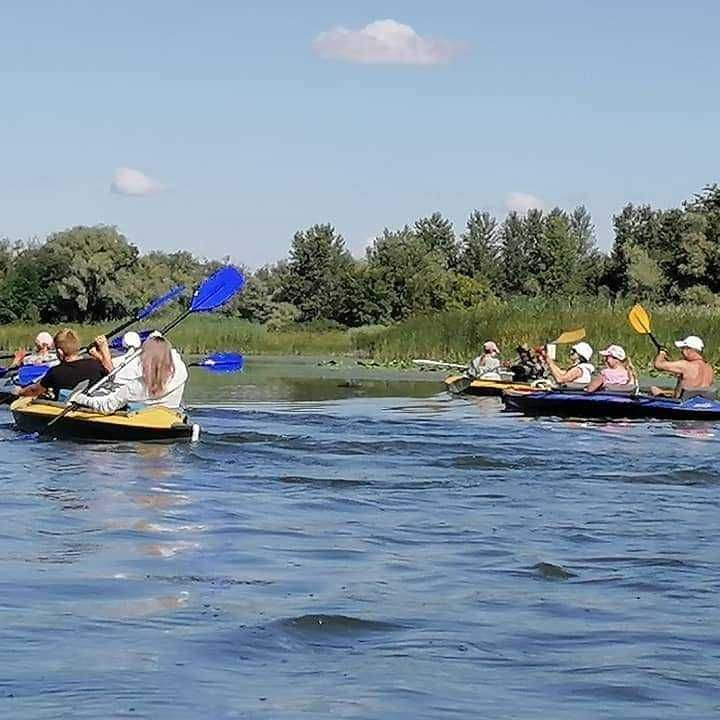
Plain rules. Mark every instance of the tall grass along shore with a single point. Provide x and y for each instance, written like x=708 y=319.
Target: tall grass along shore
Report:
x=454 y=336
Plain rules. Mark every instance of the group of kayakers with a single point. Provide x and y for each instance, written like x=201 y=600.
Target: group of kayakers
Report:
x=694 y=375
x=148 y=373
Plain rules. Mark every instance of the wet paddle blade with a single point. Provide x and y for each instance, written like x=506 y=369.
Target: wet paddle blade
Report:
x=159 y=303
x=30 y=374
x=222 y=362
x=639 y=319
x=218 y=289
x=570 y=337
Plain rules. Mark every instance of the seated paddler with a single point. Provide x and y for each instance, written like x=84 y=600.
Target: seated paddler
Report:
x=486 y=365
x=73 y=368
x=580 y=372
x=618 y=374
x=695 y=376
x=162 y=380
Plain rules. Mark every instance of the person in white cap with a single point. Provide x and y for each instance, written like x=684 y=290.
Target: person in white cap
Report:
x=695 y=376
x=580 y=372
x=44 y=353
x=617 y=375
x=487 y=364
x=133 y=370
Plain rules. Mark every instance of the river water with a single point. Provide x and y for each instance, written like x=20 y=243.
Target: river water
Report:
x=362 y=549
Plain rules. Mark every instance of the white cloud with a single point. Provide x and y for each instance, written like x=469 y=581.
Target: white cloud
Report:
x=522 y=202
x=133 y=182
x=384 y=42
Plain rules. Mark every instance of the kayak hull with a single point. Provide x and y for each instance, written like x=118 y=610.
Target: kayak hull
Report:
x=610 y=406
x=487 y=388
x=154 y=423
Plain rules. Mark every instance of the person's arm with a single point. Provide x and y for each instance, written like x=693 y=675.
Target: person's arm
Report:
x=105 y=404
x=101 y=352
x=595 y=384
x=676 y=367
x=34 y=390
x=563 y=376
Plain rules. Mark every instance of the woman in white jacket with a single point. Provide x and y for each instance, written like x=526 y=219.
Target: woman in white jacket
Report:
x=162 y=380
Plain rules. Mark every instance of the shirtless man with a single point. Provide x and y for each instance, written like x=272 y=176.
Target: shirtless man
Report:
x=695 y=375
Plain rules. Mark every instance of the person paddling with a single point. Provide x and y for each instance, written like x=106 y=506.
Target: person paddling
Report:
x=617 y=375
x=695 y=376
x=73 y=368
x=44 y=353
x=527 y=367
x=580 y=372
x=161 y=381
x=487 y=364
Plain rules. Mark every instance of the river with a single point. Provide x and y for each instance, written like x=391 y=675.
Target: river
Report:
x=345 y=547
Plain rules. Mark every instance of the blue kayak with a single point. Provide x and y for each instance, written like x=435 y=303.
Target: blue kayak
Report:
x=578 y=404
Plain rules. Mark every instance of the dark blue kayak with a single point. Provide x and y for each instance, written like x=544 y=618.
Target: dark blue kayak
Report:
x=575 y=404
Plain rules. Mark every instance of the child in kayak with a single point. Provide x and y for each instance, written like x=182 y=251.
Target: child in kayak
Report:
x=162 y=380
x=617 y=375
x=580 y=373
x=695 y=376
x=487 y=364
x=44 y=353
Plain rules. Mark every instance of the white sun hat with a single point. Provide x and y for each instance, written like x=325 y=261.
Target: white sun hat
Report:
x=584 y=350
x=131 y=340
x=44 y=338
x=614 y=351
x=691 y=341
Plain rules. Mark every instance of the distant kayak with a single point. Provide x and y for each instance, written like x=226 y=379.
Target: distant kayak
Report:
x=483 y=388
x=151 y=423
x=579 y=404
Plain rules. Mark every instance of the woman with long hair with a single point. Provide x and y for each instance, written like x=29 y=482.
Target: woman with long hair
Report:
x=618 y=375
x=162 y=380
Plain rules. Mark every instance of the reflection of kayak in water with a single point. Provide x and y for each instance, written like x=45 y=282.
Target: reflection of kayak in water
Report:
x=610 y=405
x=151 y=423
x=457 y=384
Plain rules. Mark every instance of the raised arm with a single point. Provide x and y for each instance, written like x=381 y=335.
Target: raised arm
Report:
x=676 y=367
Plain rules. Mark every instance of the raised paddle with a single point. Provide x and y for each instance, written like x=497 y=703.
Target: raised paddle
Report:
x=570 y=337
x=639 y=319
x=211 y=294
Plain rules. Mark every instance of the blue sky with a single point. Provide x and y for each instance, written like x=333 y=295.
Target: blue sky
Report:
x=253 y=127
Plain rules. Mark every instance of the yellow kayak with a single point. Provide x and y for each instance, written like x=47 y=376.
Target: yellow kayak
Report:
x=151 y=423
x=484 y=387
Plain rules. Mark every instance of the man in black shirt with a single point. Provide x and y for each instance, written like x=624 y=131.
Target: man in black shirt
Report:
x=72 y=369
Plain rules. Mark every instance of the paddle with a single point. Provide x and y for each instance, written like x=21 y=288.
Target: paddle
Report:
x=439 y=364
x=570 y=337
x=116 y=343
x=221 y=362
x=639 y=319
x=211 y=294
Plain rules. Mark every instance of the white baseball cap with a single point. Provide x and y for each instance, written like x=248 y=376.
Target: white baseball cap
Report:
x=131 y=340
x=44 y=338
x=614 y=351
x=691 y=341
x=584 y=350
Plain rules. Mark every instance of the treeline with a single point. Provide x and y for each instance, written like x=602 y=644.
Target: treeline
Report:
x=92 y=274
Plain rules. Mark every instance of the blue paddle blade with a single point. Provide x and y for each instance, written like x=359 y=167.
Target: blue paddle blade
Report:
x=116 y=342
x=30 y=374
x=220 y=287
x=222 y=362
x=160 y=302
x=3 y=371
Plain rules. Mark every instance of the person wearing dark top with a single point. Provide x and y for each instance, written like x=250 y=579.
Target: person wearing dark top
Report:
x=72 y=369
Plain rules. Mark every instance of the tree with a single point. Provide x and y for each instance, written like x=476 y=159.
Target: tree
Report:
x=481 y=249
x=318 y=271
x=438 y=235
x=516 y=261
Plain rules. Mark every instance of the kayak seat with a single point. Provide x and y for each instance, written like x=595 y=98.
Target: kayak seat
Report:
x=631 y=389
x=709 y=394
x=62 y=405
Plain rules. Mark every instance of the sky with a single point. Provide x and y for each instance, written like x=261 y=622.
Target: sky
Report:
x=222 y=127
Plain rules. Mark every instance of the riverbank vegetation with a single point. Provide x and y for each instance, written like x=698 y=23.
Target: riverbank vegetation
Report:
x=436 y=292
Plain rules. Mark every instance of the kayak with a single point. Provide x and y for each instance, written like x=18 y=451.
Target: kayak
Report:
x=487 y=387
x=151 y=423
x=26 y=375
x=599 y=405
